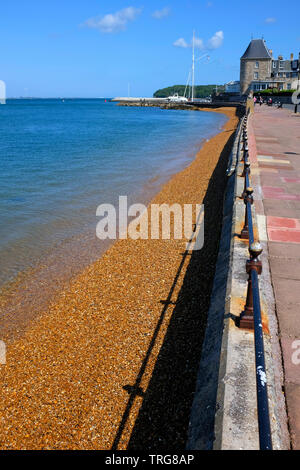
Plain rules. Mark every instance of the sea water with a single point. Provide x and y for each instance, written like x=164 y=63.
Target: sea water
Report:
x=60 y=159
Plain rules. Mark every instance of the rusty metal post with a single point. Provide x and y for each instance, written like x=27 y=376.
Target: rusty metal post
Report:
x=248 y=198
x=246 y=319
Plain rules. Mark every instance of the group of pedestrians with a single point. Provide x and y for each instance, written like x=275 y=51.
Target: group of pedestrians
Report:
x=259 y=100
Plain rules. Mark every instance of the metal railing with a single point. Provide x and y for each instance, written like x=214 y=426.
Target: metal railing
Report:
x=251 y=317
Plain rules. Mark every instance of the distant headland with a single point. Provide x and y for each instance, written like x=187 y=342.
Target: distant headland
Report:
x=201 y=91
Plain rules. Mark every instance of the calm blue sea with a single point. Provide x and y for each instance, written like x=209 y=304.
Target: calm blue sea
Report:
x=61 y=159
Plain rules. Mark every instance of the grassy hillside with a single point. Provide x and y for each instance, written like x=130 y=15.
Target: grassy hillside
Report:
x=201 y=91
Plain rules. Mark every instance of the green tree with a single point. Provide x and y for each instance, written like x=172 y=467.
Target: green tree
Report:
x=200 y=91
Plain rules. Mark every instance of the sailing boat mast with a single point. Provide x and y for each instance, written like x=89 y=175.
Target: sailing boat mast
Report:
x=193 y=67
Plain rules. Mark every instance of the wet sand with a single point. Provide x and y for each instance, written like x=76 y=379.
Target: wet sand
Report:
x=112 y=362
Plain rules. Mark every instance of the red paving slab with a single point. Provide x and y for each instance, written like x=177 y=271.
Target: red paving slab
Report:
x=274 y=190
x=283 y=222
x=291 y=180
x=284 y=236
x=274 y=143
x=283 y=229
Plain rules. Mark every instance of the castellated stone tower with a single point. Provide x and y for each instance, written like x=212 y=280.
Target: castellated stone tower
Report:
x=255 y=65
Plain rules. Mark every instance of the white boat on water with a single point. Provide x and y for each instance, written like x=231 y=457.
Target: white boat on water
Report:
x=177 y=99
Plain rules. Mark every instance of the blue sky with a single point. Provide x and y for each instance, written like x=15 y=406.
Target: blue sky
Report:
x=94 y=48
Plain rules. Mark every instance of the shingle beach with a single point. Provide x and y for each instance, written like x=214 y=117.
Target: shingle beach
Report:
x=112 y=363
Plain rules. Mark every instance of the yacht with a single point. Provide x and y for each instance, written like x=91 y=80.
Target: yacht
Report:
x=177 y=99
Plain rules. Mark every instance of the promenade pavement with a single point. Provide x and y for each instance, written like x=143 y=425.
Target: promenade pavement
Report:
x=274 y=143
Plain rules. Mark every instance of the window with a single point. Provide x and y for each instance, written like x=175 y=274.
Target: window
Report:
x=255 y=75
x=289 y=86
x=257 y=65
x=274 y=64
x=281 y=64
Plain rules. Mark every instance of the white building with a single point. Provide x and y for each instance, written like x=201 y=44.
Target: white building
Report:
x=232 y=87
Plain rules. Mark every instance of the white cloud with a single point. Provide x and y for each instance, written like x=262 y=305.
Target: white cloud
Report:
x=114 y=22
x=270 y=20
x=180 y=43
x=159 y=14
x=216 y=41
x=213 y=43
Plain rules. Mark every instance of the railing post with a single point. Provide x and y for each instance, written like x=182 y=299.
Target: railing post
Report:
x=248 y=198
x=246 y=161
x=245 y=150
x=246 y=319
x=246 y=173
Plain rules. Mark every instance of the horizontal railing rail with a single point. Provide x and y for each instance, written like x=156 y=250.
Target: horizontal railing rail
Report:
x=251 y=317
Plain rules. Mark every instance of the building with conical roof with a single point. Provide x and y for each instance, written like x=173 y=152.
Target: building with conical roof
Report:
x=257 y=49
x=259 y=70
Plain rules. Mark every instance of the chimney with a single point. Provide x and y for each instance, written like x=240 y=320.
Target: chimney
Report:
x=292 y=56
